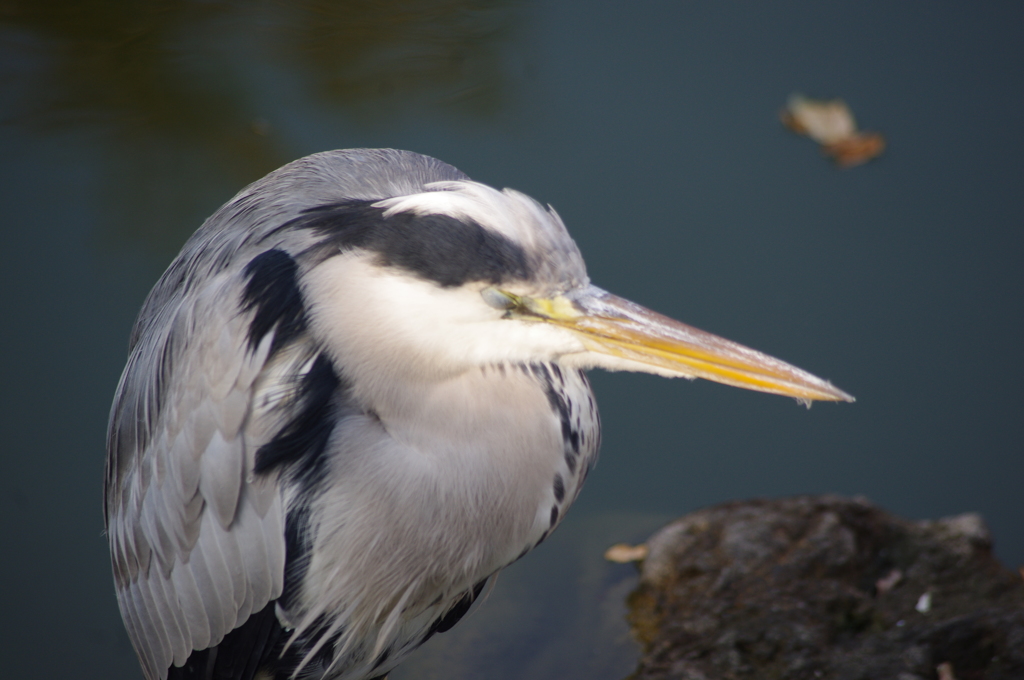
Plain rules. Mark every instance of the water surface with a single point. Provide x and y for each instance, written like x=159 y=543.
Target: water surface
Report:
x=653 y=130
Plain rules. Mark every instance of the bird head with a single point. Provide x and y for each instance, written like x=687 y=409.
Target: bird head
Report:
x=457 y=274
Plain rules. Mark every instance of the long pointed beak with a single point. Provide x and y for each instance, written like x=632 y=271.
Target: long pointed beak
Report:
x=611 y=325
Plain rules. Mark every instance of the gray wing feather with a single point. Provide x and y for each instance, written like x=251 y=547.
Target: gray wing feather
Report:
x=220 y=476
x=197 y=540
x=198 y=544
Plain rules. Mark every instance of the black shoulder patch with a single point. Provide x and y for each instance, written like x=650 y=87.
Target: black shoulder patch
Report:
x=272 y=290
x=440 y=248
x=301 y=442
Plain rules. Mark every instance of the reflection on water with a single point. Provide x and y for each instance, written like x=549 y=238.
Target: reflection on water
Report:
x=375 y=56
x=653 y=133
x=172 y=89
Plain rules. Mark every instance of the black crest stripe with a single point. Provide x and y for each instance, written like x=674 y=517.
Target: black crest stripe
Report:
x=447 y=250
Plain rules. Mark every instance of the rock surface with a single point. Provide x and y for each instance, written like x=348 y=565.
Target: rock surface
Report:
x=826 y=588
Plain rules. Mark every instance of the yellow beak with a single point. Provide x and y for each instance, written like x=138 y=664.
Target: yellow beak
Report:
x=614 y=326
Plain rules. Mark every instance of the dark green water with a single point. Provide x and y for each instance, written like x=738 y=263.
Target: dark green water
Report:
x=653 y=129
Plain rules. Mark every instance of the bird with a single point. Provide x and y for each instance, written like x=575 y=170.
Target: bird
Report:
x=356 y=395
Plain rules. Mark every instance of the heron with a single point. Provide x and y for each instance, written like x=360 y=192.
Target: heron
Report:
x=356 y=395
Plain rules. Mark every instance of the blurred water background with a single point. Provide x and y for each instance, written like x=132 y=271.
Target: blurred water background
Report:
x=653 y=129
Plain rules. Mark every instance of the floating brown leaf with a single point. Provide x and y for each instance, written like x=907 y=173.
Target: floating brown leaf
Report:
x=831 y=124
